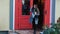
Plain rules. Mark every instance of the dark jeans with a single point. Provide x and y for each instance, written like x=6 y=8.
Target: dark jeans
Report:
x=35 y=26
x=39 y=25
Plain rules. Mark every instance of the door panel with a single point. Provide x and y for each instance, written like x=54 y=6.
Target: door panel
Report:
x=21 y=17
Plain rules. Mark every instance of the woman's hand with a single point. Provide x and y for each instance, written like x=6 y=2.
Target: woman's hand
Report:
x=35 y=13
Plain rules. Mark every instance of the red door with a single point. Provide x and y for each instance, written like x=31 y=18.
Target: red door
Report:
x=22 y=20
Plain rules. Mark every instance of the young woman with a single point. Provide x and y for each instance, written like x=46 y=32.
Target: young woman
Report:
x=34 y=16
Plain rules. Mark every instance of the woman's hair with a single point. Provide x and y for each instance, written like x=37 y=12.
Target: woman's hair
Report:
x=34 y=4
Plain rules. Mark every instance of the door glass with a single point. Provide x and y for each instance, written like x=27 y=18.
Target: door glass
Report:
x=25 y=7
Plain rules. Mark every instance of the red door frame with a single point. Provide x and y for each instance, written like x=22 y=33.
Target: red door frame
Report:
x=20 y=23
x=16 y=15
x=47 y=13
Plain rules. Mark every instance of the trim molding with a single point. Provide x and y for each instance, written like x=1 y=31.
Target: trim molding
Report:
x=12 y=6
x=11 y=14
x=53 y=11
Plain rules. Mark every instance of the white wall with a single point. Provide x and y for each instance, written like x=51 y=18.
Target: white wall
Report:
x=4 y=15
x=57 y=9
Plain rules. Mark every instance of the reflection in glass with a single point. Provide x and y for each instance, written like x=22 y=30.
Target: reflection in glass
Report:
x=25 y=7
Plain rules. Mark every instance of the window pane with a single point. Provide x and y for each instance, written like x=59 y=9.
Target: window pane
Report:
x=25 y=7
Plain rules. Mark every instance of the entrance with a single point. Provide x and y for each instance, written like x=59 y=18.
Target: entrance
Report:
x=22 y=13
x=44 y=8
x=40 y=4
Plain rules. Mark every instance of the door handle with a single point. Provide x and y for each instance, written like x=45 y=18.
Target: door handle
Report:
x=45 y=12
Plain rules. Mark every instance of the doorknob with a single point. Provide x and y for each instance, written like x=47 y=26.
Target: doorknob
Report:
x=45 y=12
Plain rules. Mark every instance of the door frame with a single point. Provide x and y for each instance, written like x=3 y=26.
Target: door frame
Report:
x=12 y=13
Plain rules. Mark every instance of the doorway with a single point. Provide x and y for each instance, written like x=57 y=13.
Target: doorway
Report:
x=22 y=18
x=40 y=4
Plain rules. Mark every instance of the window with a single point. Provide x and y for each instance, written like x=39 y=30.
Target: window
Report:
x=25 y=7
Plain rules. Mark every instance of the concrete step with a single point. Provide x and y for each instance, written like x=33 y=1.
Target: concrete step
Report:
x=24 y=32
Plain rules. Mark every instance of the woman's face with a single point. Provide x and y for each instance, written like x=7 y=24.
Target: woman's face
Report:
x=35 y=6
